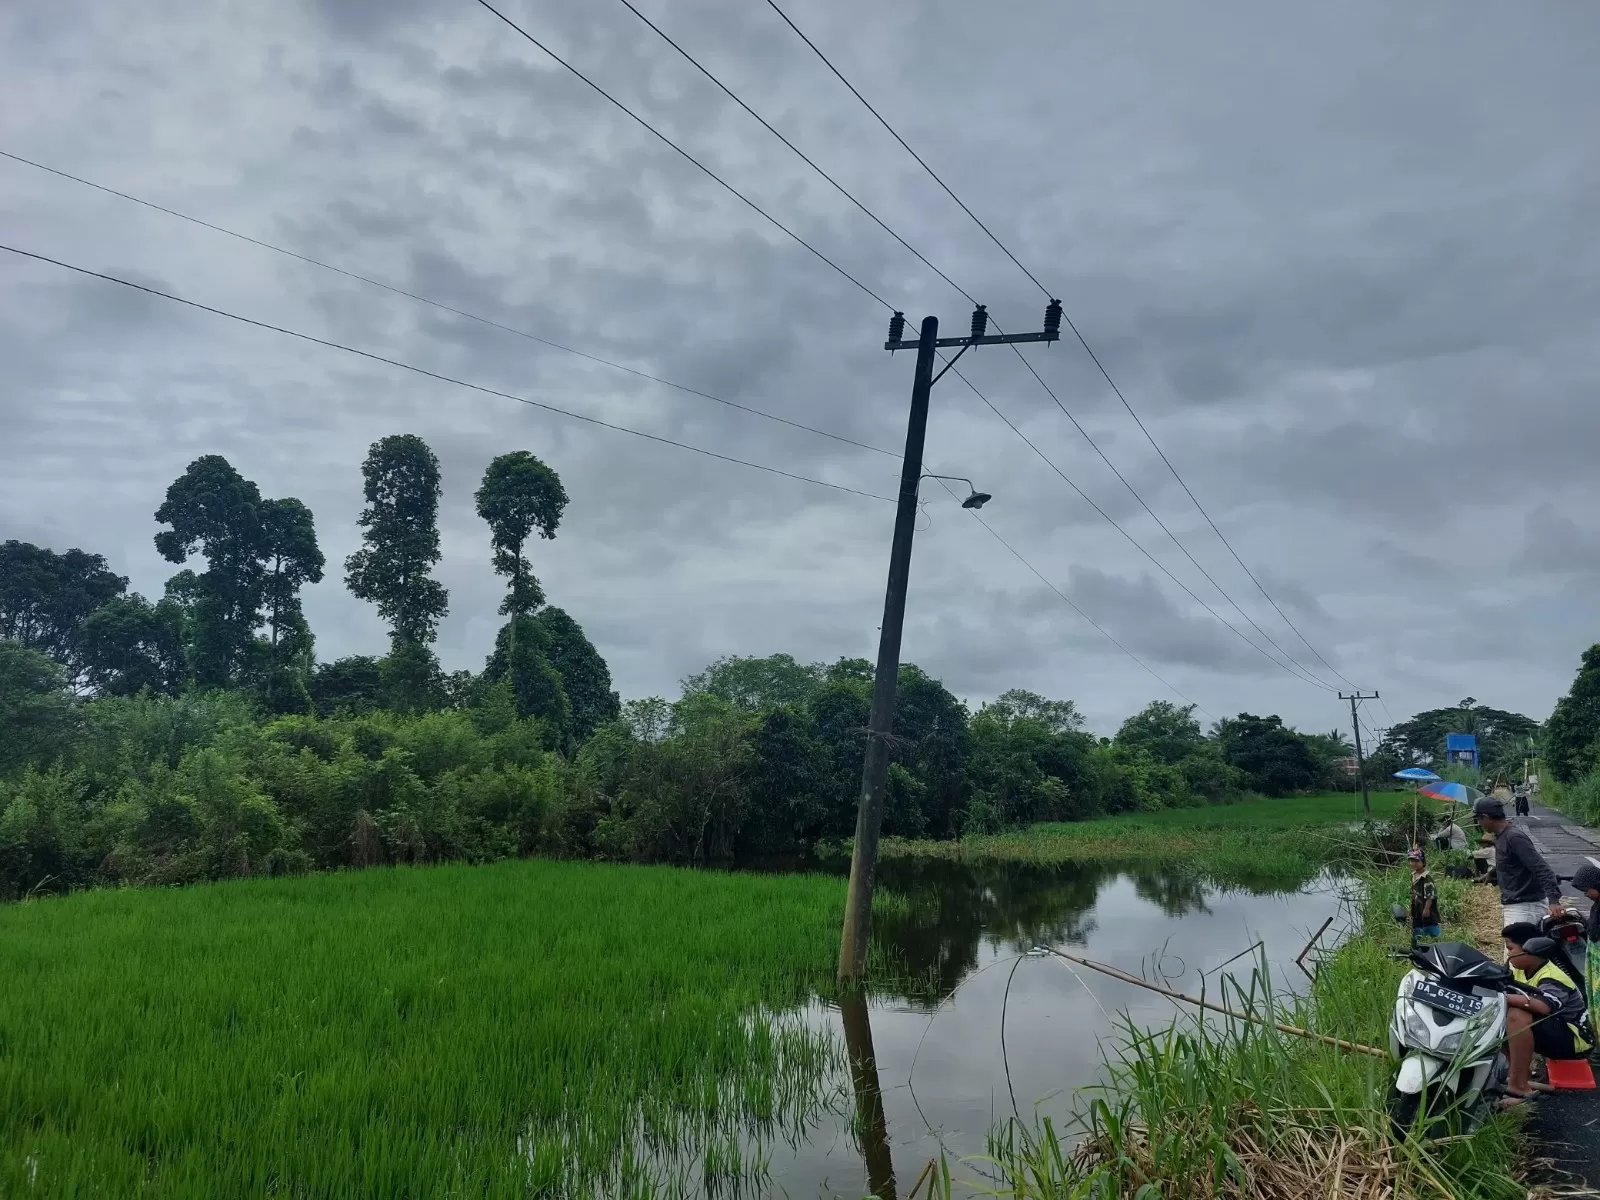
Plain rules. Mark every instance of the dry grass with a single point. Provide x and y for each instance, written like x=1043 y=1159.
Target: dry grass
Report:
x=1480 y=916
x=1306 y=1158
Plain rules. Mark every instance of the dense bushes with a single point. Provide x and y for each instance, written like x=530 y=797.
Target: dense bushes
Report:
x=758 y=757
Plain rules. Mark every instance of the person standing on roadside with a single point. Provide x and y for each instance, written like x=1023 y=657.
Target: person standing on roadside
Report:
x=1528 y=887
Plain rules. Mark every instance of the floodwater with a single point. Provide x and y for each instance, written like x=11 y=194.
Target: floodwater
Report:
x=962 y=939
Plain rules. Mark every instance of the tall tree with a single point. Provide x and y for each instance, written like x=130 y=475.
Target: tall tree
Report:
x=130 y=644
x=35 y=708
x=45 y=597
x=293 y=560
x=1166 y=731
x=519 y=496
x=584 y=675
x=1274 y=758
x=213 y=509
x=401 y=539
x=758 y=684
x=1572 y=734
x=1421 y=739
x=522 y=656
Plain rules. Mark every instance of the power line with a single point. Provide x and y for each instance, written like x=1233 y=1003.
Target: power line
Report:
x=357 y=276
x=378 y=283
x=839 y=187
x=459 y=312
x=709 y=173
x=1291 y=667
x=842 y=190
x=1067 y=600
x=316 y=341
x=1184 y=550
x=1082 y=341
x=907 y=148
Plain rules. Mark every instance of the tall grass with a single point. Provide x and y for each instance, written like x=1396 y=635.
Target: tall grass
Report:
x=1580 y=800
x=1215 y=1107
x=1269 y=844
x=526 y=1028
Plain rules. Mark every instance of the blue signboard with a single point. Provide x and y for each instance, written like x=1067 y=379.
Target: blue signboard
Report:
x=1461 y=748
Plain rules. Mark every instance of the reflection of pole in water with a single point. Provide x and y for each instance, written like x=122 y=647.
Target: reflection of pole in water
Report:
x=871 y=1125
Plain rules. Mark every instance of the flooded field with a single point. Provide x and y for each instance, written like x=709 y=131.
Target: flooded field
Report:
x=961 y=937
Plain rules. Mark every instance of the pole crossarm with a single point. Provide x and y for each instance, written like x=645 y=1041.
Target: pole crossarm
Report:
x=988 y=339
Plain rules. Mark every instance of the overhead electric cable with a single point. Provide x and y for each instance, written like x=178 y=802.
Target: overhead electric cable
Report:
x=842 y=190
x=665 y=140
x=459 y=312
x=379 y=358
x=1077 y=333
x=1067 y=600
x=1290 y=666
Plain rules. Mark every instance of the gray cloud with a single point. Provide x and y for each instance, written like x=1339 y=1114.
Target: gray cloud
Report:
x=1342 y=263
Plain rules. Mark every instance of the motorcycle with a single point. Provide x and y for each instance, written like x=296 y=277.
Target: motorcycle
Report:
x=1448 y=1031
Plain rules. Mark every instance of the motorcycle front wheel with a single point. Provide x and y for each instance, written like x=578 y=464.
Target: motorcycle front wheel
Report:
x=1404 y=1108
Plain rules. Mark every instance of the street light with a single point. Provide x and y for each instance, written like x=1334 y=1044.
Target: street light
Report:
x=880 y=717
x=976 y=499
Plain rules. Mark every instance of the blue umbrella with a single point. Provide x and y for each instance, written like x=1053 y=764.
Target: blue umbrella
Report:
x=1421 y=773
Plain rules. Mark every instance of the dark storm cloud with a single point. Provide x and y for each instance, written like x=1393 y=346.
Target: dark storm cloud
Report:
x=1342 y=264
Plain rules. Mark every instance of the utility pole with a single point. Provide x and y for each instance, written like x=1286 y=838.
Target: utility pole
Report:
x=880 y=723
x=1361 y=766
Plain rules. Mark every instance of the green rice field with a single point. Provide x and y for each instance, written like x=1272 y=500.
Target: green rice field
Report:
x=527 y=1028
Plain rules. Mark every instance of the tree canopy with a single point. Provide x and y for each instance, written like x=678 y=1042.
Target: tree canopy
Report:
x=400 y=539
x=1572 y=735
x=45 y=597
x=519 y=496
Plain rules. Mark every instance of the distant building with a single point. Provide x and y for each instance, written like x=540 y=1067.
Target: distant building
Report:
x=1349 y=766
x=1461 y=748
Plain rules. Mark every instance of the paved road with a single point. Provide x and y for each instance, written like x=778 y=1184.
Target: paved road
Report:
x=1566 y=1124
x=1564 y=845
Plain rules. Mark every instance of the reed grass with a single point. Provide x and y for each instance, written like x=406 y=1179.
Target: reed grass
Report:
x=526 y=1028
x=1219 y=1108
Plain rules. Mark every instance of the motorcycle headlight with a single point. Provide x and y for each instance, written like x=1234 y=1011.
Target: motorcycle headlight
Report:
x=1416 y=1029
x=1450 y=1043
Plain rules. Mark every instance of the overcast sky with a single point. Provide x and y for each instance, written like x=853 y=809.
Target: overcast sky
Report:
x=1340 y=259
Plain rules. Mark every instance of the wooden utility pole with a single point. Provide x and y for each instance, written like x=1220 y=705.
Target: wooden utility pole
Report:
x=1361 y=764
x=880 y=722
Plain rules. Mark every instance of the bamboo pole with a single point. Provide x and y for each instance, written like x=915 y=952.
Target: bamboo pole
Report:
x=1295 y=1030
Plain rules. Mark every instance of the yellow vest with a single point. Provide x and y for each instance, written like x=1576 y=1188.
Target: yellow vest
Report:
x=1551 y=971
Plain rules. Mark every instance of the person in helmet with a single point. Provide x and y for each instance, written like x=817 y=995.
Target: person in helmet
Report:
x=1552 y=1018
x=1528 y=886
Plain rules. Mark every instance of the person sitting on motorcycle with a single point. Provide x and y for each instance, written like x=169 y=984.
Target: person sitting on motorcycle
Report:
x=1424 y=897
x=1551 y=1019
x=1586 y=879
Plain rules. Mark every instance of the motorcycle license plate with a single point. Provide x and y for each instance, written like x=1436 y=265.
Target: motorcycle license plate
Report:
x=1436 y=996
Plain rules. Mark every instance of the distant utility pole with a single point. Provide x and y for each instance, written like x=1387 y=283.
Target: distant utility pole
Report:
x=1361 y=766
x=875 y=771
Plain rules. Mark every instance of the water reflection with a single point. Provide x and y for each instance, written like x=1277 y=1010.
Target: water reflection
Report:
x=872 y=1127
x=934 y=1003
x=941 y=914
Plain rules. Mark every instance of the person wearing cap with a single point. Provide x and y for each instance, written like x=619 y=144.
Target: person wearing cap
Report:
x=1551 y=1019
x=1424 y=897
x=1528 y=887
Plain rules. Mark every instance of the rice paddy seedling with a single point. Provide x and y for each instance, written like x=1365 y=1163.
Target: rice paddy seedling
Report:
x=526 y=1028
